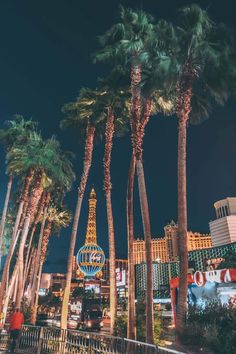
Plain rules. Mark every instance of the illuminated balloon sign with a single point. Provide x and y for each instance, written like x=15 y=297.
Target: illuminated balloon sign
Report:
x=90 y=259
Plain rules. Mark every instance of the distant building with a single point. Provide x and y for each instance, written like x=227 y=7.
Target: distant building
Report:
x=200 y=260
x=58 y=282
x=162 y=273
x=165 y=249
x=223 y=229
x=45 y=282
x=121 y=277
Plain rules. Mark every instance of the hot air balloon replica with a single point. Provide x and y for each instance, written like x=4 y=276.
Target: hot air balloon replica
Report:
x=90 y=257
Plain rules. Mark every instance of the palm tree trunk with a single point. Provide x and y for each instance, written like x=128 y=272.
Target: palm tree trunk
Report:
x=42 y=256
x=35 y=306
x=42 y=248
x=30 y=274
x=23 y=201
x=10 y=293
x=36 y=221
x=6 y=269
x=15 y=234
x=87 y=164
x=4 y=214
x=109 y=133
x=148 y=248
x=183 y=108
x=138 y=124
x=131 y=325
x=112 y=263
x=182 y=229
x=34 y=200
x=37 y=258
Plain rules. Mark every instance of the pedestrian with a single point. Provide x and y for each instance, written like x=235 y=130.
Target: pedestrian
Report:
x=16 y=322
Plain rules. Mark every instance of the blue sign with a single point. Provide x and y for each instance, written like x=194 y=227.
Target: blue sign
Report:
x=90 y=259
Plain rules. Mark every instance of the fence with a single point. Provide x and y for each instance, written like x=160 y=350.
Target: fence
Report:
x=48 y=340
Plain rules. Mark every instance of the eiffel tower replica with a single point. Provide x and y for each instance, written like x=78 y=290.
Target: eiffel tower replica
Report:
x=90 y=257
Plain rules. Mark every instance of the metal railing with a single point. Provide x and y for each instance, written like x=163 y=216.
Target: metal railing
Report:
x=49 y=340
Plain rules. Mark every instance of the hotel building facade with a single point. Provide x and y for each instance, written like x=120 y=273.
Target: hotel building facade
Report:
x=223 y=229
x=165 y=249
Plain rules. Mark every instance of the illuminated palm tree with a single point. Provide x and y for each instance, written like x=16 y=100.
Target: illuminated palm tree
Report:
x=112 y=109
x=17 y=131
x=80 y=114
x=55 y=220
x=26 y=175
x=126 y=43
x=41 y=157
x=62 y=177
x=205 y=74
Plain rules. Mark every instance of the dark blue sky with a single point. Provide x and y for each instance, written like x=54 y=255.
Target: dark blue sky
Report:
x=45 y=59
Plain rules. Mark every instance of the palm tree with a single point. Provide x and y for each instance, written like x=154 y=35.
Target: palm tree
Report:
x=15 y=236
x=18 y=134
x=206 y=74
x=127 y=43
x=62 y=176
x=17 y=131
x=80 y=114
x=114 y=107
x=45 y=198
x=4 y=214
x=55 y=220
x=41 y=157
x=131 y=325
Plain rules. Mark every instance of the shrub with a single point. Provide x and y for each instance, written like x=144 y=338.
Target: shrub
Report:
x=120 y=329
x=213 y=327
x=121 y=325
x=141 y=324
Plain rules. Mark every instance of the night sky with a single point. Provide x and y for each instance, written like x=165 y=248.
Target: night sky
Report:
x=45 y=59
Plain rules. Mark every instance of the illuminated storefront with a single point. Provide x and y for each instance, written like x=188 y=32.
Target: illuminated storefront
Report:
x=218 y=285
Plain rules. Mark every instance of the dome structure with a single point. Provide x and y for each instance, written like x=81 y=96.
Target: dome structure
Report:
x=90 y=257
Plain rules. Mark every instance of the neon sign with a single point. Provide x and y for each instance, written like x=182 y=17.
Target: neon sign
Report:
x=212 y=276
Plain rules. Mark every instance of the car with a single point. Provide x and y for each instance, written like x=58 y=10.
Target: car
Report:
x=43 y=320
x=71 y=322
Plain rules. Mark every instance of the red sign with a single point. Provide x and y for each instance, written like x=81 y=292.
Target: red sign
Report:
x=212 y=276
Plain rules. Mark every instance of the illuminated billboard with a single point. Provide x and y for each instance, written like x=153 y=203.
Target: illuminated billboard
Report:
x=206 y=286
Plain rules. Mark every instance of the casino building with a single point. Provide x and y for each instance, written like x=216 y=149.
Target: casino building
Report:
x=165 y=249
x=199 y=260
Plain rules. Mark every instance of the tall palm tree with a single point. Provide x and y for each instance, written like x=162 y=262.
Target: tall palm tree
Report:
x=42 y=157
x=126 y=43
x=16 y=131
x=112 y=109
x=15 y=236
x=131 y=325
x=55 y=220
x=62 y=176
x=4 y=214
x=62 y=179
x=206 y=74
x=18 y=134
x=80 y=114
x=45 y=198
